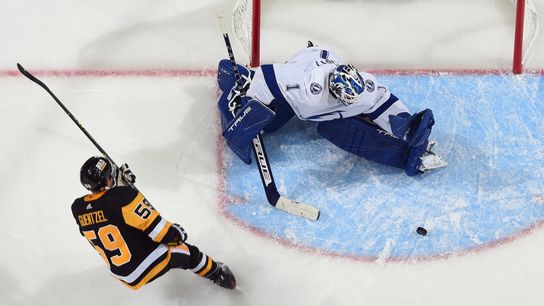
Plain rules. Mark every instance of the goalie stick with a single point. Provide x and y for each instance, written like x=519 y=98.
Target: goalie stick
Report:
x=272 y=194
x=74 y=119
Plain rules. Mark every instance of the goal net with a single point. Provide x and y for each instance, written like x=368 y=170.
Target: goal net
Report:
x=246 y=16
x=377 y=33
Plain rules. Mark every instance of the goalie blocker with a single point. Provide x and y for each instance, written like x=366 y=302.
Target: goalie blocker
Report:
x=240 y=130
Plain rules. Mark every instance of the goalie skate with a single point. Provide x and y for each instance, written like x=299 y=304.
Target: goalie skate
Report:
x=430 y=146
x=431 y=160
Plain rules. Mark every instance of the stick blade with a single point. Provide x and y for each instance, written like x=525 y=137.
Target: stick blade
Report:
x=298 y=209
x=33 y=78
x=21 y=68
x=26 y=73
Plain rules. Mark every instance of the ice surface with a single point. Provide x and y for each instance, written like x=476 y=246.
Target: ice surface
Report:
x=134 y=74
x=490 y=191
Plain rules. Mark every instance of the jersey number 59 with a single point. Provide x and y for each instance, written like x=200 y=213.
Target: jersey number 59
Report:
x=112 y=240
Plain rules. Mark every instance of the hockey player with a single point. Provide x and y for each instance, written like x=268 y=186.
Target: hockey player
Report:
x=135 y=241
x=353 y=109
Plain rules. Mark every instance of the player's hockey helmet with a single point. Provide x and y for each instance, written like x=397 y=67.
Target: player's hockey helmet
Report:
x=95 y=172
x=346 y=84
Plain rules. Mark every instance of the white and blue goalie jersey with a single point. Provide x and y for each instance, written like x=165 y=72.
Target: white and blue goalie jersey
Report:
x=303 y=82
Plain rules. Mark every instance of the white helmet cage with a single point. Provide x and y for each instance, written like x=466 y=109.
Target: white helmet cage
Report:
x=346 y=84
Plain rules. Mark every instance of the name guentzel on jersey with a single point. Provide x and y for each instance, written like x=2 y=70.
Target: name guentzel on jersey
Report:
x=92 y=218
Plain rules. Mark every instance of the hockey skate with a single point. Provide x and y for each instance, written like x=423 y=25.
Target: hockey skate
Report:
x=225 y=278
x=431 y=160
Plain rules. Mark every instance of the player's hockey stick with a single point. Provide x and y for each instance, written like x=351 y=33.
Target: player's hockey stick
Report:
x=74 y=119
x=272 y=194
x=42 y=85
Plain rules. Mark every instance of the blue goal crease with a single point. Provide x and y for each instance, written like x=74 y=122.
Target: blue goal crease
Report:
x=490 y=129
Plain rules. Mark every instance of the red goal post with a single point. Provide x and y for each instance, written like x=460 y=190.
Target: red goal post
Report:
x=246 y=22
x=525 y=33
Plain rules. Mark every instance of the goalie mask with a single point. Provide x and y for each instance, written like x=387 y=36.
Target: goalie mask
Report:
x=346 y=84
x=95 y=172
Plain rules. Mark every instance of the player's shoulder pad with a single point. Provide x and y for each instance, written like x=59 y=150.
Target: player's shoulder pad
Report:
x=123 y=194
x=77 y=202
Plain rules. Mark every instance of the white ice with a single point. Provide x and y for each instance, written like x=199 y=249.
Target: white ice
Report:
x=166 y=129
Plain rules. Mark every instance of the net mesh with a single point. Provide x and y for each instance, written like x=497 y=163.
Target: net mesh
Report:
x=242 y=23
x=530 y=29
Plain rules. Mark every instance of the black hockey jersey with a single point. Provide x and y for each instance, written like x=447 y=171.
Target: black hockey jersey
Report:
x=126 y=231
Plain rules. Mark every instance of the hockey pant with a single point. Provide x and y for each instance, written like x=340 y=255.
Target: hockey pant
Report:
x=186 y=256
x=367 y=140
x=284 y=113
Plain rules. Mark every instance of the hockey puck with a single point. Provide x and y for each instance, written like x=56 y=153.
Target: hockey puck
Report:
x=422 y=231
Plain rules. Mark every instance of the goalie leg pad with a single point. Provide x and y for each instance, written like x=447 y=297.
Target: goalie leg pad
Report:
x=225 y=75
x=224 y=110
x=248 y=122
x=418 y=139
x=365 y=140
x=420 y=128
x=400 y=124
x=224 y=105
x=414 y=161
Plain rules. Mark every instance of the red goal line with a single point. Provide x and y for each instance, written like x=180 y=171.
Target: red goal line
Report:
x=68 y=73
x=172 y=73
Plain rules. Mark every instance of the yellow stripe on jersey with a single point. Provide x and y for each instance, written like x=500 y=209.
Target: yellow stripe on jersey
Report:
x=94 y=196
x=160 y=230
x=208 y=267
x=138 y=213
x=182 y=248
x=156 y=270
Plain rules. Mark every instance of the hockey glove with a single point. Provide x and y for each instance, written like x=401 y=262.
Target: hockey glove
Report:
x=180 y=237
x=126 y=174
x=248 y=122
x=226 y=78
x=236 y=99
